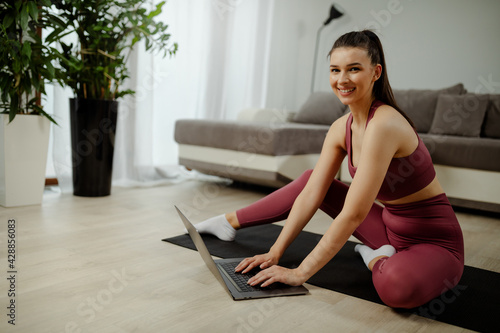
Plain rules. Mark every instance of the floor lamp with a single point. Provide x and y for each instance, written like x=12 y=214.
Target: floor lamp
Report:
x=334 y=14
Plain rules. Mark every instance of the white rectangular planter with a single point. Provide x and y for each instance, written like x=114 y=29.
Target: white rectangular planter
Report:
x=24 y=146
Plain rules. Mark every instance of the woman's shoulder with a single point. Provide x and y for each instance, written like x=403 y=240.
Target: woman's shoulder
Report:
x=385 y=110
x=387 y=118
x=339 y=125
x=388 y=124
x=336 y=133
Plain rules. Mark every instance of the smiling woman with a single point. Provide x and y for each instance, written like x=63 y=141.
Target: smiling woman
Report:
x=417 y=221
x=352 y=81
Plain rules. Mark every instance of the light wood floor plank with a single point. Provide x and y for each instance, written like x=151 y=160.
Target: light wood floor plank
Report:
x=99 y=265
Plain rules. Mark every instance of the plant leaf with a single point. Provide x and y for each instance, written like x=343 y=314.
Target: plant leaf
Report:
x=157 y=11
x=24 y=17
x=8 y=20
x=14 y=105
x=40 y=111
x=33 y=10
x=26 y=50
x=50 y=69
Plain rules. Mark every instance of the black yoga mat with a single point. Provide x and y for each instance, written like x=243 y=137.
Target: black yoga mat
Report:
x=473 y=304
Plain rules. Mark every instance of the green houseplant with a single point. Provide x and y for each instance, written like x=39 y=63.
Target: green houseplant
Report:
x=25 y=65
x=25 y=60
x=95 y=67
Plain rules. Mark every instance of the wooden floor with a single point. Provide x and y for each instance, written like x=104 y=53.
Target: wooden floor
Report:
x=99 y=265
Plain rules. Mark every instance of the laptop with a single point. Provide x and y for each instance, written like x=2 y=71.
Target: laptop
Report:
x=236 y=283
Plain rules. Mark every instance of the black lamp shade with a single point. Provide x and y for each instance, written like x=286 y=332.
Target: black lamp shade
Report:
x=334 y=14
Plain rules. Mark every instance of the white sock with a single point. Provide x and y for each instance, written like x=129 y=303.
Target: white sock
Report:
x=217 y=226
x=368 y=254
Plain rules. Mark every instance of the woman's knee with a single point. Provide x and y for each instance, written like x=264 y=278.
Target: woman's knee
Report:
x=396 y=287
x=400 y=296
x=411 y=278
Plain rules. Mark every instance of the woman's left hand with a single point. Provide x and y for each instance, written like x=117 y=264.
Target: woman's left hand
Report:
x=277 y=274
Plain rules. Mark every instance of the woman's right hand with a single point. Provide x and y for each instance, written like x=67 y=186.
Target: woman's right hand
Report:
x=262 y=261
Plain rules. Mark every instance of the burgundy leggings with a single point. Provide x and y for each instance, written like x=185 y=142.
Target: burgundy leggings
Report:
x=426 y=234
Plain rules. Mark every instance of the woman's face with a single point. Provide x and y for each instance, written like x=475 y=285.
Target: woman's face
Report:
x=352 y=75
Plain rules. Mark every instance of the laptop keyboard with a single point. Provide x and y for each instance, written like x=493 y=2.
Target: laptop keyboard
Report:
x=240 y=279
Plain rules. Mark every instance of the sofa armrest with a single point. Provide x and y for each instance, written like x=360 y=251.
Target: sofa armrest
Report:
x=265 y=115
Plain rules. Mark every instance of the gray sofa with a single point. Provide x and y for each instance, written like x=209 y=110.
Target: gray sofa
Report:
x=273 y=147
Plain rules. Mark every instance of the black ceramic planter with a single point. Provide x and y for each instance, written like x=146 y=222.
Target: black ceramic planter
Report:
x=93 y=128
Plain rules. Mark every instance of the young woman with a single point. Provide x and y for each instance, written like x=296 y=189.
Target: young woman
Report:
x=413 y=243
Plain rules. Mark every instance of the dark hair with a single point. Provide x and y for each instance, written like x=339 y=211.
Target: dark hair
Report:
x=370 y=42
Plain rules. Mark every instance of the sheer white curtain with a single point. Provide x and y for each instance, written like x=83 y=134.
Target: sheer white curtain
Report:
x=220 y=68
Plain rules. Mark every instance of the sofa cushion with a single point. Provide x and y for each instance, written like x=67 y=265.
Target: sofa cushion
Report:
x=420 y=104
x=320 y=108
x=460 y=115
x=491 y=125
x=259 y=138
x=463 y=152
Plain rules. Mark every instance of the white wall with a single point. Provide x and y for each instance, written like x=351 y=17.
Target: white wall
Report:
x=428 y=44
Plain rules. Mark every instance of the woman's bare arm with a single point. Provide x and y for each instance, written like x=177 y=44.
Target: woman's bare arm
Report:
x=309 y=200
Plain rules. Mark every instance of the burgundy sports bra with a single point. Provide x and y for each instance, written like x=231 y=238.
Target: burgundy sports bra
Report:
x=406 y=175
